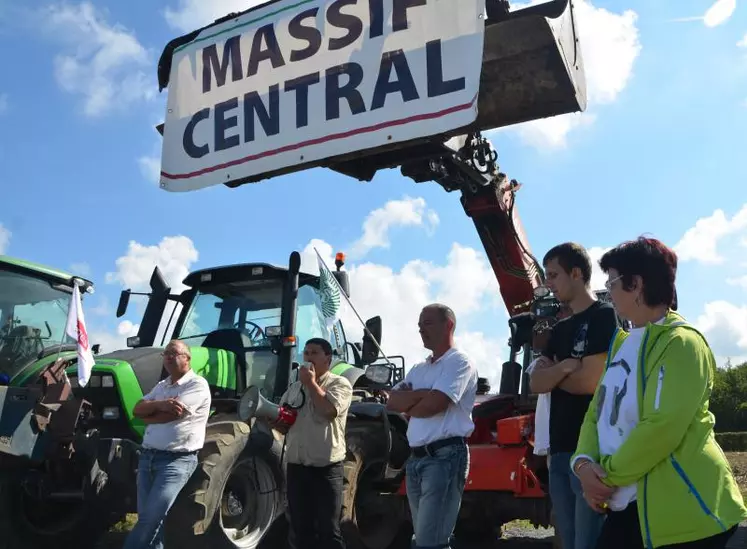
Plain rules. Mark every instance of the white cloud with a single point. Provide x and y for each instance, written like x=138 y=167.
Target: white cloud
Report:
x=174 y=256
x=395 y=213
x=725 y=326
x=3 y=103
x=743 y=42
x=106 y=64
x=610 y=45
x=464 y=281
x=5 y=235
x=193 y=14
x=700 y=241
x=720 y=12
x=114 y=342
x=598 y=278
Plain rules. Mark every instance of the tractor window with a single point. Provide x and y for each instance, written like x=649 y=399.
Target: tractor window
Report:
x=309 y=319
x=34 y=318
x=203 y=316
x=248 y=307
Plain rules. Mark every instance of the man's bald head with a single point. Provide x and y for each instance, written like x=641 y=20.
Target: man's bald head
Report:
x=437 y=323
x=444 y=311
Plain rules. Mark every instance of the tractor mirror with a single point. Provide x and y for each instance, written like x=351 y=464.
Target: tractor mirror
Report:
x=124 y=301
x=371 y=344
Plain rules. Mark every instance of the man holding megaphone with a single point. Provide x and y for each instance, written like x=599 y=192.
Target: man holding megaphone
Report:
x=315 y=448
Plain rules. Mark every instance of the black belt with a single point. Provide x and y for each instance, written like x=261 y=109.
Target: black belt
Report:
x=430 y=449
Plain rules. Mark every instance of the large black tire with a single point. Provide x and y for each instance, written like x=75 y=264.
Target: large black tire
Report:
x=369 y=520
x=233 y=497
x=26 y=523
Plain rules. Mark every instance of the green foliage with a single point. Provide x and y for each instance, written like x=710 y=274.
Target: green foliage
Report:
x=729 y=398
x=732 y=442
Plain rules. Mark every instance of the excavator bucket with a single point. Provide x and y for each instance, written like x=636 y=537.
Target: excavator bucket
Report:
x=247 y=103
x=532 y=66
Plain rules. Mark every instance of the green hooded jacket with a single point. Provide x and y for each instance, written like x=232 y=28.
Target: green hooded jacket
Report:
x=685 y=487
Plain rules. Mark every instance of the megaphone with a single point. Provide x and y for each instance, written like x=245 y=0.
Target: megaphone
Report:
x=254 y=405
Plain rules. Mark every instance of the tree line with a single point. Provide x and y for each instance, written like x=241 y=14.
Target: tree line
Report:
x=729 y=398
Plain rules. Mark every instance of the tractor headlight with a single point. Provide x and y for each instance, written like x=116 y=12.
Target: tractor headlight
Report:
x=107 y=381
x=379 y=373
x=110 y=412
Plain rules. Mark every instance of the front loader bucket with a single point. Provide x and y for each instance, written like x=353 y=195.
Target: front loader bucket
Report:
x=532 y=66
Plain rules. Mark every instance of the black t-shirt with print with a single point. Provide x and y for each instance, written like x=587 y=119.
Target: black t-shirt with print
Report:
x=586 y=333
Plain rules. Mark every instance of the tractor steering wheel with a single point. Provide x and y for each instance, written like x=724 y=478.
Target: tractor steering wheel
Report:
x=255 y=334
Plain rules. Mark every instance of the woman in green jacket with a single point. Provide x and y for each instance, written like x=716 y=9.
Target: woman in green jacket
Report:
x=647 y=455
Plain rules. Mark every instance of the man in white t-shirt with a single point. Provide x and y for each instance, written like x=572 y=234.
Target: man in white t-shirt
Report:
x=438 y=396
x=176 y=412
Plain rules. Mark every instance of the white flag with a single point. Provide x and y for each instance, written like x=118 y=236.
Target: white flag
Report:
x=329 y=293
x=76 y=328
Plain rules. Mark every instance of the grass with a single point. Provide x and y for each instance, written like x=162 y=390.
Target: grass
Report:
x=125 y=525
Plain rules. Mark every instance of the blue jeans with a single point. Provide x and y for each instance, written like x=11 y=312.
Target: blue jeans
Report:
x=577 y=524
x=160 y=478
x=435 y=484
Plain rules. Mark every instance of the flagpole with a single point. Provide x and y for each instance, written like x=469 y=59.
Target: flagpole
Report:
x=342 y=292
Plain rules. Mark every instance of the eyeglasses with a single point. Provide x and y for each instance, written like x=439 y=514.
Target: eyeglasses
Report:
x=174 y=354
x=609 y=283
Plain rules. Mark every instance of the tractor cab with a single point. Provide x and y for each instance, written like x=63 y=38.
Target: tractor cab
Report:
x=34 y=302
x=247 y=324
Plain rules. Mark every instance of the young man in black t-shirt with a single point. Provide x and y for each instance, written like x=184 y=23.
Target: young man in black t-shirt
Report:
x=570 y=368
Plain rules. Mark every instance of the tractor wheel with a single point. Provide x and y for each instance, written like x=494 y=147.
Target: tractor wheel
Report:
x=29 y=523
x=369 y=520
x=231 y=500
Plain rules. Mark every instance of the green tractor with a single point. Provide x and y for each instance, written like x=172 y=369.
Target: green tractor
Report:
x=246 y=326
x=39 y=419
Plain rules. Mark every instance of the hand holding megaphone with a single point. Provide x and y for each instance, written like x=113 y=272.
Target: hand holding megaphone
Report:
x=307 y=374
x=253 y=405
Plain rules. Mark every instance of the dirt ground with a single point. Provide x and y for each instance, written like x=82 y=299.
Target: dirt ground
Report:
x=738 y=461
x=514 y=531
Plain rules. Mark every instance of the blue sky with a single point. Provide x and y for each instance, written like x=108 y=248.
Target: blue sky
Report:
x=660 y=150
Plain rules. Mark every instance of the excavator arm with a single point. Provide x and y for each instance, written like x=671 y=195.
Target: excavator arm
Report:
x=488 y=198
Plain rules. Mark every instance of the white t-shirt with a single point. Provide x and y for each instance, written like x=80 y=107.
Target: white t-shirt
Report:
x=617 y=409
x=454 y=375
x=186 y=434
x=541 y=418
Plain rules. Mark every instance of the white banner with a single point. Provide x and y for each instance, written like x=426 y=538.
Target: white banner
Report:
x=304 y=80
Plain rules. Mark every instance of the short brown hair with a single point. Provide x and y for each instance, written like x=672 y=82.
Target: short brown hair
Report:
x=571 y=255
